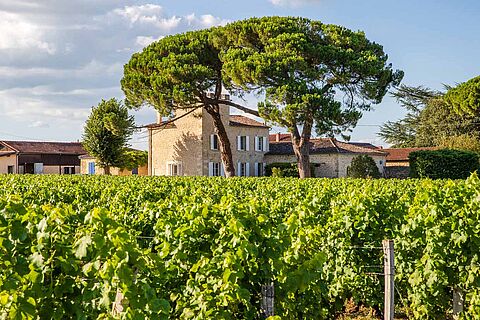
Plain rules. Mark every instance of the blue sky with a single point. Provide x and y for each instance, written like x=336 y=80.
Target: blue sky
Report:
x=59 y=58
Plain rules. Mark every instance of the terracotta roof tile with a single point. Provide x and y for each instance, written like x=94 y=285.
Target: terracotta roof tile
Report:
x=401 y=154
x=45 y=147
x=277 y=137
x=237 y=120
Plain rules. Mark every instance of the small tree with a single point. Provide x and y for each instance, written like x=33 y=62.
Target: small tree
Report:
x=363 y=166
x=106 y=133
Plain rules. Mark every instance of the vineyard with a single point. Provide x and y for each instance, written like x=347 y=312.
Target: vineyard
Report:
x=201 y=248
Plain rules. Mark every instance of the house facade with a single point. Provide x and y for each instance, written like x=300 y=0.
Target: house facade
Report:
x=329 y=157
x=32 y=157
x=190 y=146
x=88 y=165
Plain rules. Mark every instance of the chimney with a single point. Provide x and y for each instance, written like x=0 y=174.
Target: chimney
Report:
x=277 y=137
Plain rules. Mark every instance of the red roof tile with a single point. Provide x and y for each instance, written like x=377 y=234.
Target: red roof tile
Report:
x=45 y=147
x=237 y=120
x=277 y=137
x=401 y=154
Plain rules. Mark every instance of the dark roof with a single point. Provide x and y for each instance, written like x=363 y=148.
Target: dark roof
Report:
x=323 y=145
x=365 y=145
x=74 y=148
x=401 y=154
x=237 y=120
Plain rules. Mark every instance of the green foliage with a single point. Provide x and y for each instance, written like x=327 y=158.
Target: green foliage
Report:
x=134 y=159
x=443 y=164
x=363 y=166
x=462 y=142
x=435 y=118
x=404 y=132
x=465 y=98
x=282 y=169
x=172 y=73
x=201 y=248
x=301 y=64
x=107 y=131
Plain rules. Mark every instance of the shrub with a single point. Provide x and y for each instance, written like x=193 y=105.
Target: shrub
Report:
x=363 y=166
x=443 y=164
x=285 y=169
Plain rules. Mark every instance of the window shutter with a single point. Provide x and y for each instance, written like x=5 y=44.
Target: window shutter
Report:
x=257 y=144
x=222 y=170
x=265 y=144
x=212 y=141
x=256 y=169
x=247 y=169
x=238 y=143
x=263 y=169
x=210 y=169
x=247 y=139
x=239 y=169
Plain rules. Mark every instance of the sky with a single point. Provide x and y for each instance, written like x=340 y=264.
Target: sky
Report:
x=59 y=58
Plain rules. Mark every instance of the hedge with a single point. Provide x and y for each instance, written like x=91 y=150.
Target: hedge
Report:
x=443 y=164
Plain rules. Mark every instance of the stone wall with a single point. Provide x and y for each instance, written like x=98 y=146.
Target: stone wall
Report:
x=6 y=161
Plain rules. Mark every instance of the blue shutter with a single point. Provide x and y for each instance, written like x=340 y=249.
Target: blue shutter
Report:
x=91 y=168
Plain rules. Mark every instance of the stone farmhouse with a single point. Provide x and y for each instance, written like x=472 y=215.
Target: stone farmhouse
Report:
x=40 y=157
x=189 y=147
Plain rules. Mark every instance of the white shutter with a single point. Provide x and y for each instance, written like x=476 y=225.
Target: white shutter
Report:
x=256 y=169
x=238 y=143
x=210 y=169
x=212 y=140
x=247 y=169
x=257 y=144
x=239 y=169
x=264 y=166
x=265 y=144
x=247 y=147
x=222 y=170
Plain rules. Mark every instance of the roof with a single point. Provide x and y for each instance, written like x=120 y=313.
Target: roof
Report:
x=401 y=154
x=365 y=145
x=279 y=137
x=237 y=120
x=324 y=146
x=161 y=125
x=74 y=148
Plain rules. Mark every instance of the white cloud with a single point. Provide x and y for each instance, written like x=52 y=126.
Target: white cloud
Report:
x=143 y=41
x=293 y=3
x=20 y=34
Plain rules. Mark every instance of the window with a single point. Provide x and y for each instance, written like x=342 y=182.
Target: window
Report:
x=213 y=142
x=214 y=169
x=260 y=143
x=243 y=169
x=174 y=169
x=68 y=170
x=242 y=143
x=259 y=169
x=10 y=169
x=91 y=167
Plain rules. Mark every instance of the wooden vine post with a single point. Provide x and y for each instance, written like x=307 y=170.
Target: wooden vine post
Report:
x=268 y=294
x=389 y=271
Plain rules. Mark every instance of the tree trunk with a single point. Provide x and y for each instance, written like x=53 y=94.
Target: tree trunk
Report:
x=301 y=145
x=106 y=170
x=224 y=142
x=302 y=152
